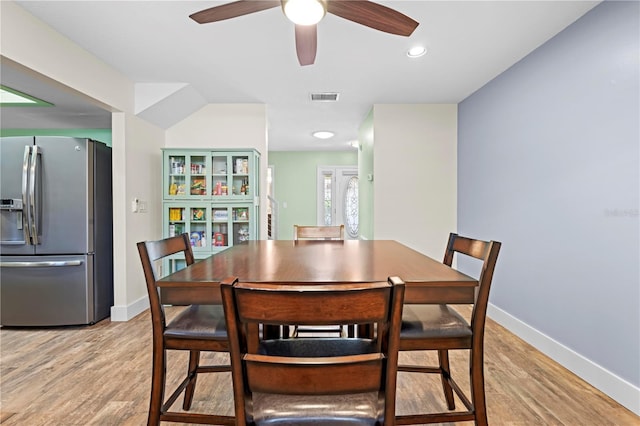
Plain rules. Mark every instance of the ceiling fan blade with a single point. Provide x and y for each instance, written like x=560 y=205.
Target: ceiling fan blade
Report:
x=232 y=10
x=306 y=43
x=373 y=15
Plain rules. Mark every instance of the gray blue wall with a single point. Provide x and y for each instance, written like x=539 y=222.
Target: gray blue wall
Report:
x=548 y=163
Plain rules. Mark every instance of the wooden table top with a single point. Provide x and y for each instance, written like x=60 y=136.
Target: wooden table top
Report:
x=427 y=280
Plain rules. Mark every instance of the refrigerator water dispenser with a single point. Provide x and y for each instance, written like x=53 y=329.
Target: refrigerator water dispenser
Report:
x=11 y=221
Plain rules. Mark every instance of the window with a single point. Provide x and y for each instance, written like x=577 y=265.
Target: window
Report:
x=350 y=206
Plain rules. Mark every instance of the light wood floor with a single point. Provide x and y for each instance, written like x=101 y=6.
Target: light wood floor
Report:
x=100 y=375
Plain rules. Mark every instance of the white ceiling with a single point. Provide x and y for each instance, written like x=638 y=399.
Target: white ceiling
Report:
x=252 y=59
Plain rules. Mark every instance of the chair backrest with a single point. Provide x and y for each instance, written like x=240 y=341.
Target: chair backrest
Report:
x=318 y=232
x=151 y=252
x=487 y=252
x=313 y=366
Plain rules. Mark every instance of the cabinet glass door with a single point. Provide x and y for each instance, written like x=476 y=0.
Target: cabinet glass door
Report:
x=242 y=224
x=198 y=175
x=220 y=219
x=198 y=227
x=233 y=175
x=192 y=218
x=187 y=175
x=240 y=178
x=220 y=176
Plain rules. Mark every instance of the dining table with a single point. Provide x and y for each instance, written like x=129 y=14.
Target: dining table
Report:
x=427 y=281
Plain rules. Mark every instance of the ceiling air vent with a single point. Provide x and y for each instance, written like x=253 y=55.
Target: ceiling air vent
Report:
x=324 y=97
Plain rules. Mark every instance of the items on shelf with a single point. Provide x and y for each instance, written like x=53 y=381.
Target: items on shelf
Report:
x=198 y=186
x=221 y=189
x=177 y=165
x=173 y=188
x=241 y=214
x=198 y=239
x=220 y=215
x=197 y=214
x=176 y=213
x=243 y=234
x=219 y=239
x=198 y=169
x=175 y=229
x=206 y=195
x=241 y=166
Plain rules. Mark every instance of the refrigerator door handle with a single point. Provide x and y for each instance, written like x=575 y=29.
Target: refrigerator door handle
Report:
x=32 y=196
x=26 y=226
x=48 y=264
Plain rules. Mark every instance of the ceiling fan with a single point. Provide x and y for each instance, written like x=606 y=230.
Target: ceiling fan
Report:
x=307 y=13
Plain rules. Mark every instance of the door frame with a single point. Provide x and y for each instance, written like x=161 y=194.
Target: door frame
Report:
x=338 y=189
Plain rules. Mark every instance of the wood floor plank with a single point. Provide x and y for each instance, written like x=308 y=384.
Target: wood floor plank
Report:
x=100 y=375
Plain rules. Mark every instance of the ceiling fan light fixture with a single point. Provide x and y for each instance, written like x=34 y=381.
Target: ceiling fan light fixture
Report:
x=304 y=12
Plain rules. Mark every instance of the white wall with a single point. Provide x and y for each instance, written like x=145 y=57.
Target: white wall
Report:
x=227 y=126
x=137 y=173
x=415 y=175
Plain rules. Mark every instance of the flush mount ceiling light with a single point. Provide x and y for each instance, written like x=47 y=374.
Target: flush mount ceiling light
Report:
x=416 y=52
x=12 y=97
x=323 y=134
x=304 y=12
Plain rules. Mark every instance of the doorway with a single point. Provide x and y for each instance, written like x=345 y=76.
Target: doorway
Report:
x=337 y=198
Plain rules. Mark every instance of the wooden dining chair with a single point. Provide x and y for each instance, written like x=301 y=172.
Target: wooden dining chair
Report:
x=197 y=328
x=306 y=232
x=318 y=232
x=440 y=328
x=323 y=381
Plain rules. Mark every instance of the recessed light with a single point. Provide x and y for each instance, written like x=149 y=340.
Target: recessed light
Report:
x=416 y=51
x=323 y=134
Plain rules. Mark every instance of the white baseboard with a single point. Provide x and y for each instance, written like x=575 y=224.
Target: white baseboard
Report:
x=620 y=390
x=126 y=312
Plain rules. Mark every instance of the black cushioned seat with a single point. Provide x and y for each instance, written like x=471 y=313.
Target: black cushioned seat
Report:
x=431 y=321
x=198 y=322
x=316 y=347
x=353 y=409
x=360 y=409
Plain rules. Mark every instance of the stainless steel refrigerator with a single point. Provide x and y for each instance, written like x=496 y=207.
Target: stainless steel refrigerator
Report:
x=56 y=231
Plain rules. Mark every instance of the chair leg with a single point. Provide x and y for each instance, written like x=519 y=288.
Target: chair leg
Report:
x=445 y=373
x=158 y=376
x=351 y=331
x=194 y=361
x=477 y=387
